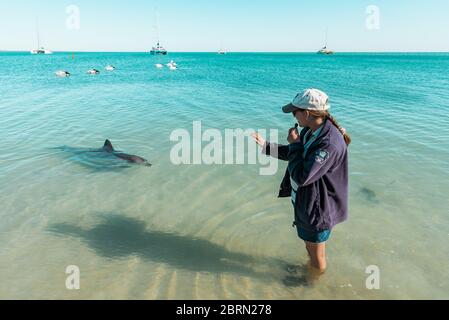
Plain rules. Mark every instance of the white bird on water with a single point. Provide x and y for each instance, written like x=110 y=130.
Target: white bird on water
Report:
x=172 y=64
x=93 y=71
x=62 y=73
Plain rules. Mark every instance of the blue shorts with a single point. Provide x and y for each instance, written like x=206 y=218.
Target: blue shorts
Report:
x=313 y=236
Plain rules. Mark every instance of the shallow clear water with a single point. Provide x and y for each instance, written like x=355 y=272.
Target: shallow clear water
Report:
x=215 y=232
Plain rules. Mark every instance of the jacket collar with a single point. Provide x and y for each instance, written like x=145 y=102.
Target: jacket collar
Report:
x=324 y=132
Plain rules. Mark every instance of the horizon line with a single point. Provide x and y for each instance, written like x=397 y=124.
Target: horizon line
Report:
x=228 y=52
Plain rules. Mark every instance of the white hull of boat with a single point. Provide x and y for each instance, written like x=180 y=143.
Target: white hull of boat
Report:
x=41 y=51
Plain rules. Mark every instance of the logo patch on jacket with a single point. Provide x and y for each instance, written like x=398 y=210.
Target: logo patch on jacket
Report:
x=321 y=156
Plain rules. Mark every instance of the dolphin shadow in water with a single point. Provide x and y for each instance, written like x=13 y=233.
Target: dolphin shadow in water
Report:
x=369 y=195
x=119 y=237
x=105 y=158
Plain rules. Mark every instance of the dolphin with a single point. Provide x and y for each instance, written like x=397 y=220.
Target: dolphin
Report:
x=124 y=156
x=369 y=195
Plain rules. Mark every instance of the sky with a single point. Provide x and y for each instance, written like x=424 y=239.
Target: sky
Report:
x=234 y=25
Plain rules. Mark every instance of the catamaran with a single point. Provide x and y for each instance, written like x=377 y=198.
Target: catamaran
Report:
x=39 y=50
x=158 y=50
x=325 y=50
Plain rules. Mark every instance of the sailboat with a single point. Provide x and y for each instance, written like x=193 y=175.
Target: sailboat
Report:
x=222 y=50
x=158 y=49
x=39 y=50
x=325 y=50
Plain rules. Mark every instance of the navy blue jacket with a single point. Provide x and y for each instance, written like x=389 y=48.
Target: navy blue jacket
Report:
x=322 y=178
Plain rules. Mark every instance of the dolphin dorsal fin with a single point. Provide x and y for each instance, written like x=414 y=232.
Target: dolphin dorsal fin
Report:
x=108 y=146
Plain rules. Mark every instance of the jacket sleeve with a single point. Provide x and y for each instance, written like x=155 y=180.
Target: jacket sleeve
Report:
x=316 y=165
x=276 y=150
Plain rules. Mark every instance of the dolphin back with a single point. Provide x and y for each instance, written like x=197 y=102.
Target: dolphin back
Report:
x=108 y=146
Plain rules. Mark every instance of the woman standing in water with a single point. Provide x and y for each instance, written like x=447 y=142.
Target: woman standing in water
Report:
x=317 y=174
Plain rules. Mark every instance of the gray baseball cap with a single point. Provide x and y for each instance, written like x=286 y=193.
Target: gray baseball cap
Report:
x=310 y=99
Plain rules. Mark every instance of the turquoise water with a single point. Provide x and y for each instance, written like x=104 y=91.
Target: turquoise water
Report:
x=216 y=232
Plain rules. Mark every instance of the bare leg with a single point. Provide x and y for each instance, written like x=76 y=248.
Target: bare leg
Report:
x=317 y=253
x=316 y=266
x=308 y=251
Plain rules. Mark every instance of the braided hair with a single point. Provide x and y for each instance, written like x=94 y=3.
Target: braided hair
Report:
x=326 y=114
x=334 y=121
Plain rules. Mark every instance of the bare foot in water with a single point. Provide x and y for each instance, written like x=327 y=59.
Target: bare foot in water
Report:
x=313 y=273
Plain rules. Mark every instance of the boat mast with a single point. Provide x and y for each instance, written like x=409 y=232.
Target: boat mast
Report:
x=37 y=34
x=325 y=41
x=157 y=28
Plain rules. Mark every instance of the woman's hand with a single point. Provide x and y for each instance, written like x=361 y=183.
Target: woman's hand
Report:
x=259 y=140
x=293 y=136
